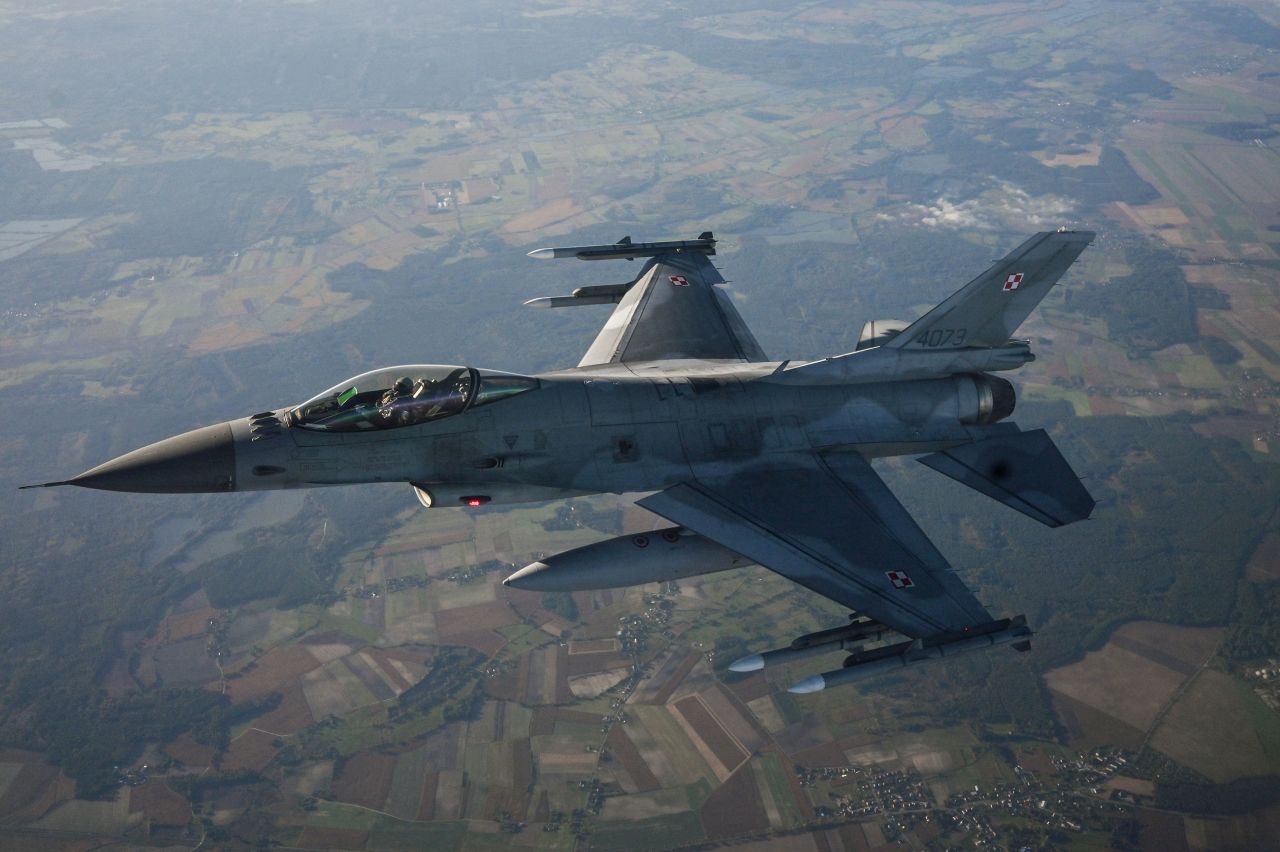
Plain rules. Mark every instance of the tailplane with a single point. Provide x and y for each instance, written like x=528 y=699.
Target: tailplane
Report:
x=1023 y=470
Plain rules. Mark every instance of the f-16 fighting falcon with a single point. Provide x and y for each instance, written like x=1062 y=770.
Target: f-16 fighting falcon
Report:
x=750 y=460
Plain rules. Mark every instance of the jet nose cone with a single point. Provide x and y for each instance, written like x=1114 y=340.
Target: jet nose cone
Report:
x=198 y=461
x=531 y=577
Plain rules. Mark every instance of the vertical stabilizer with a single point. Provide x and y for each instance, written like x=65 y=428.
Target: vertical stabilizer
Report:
x=989 y=309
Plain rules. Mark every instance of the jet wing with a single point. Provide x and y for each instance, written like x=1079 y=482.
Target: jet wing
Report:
x=673 y=312
x=830 y=524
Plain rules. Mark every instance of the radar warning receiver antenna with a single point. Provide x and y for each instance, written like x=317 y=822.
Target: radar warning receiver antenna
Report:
x=624 y=248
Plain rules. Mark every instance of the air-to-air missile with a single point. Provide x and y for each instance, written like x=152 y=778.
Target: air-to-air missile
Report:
x=845 y=638
x=705 y=244
x=652 y=557
x=892 y=657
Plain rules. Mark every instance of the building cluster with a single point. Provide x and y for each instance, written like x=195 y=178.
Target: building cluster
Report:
x=1090 y=770
x=473 y=573
x=132 y=777
x=634 y=629
x=1073 y=799
x=870 y=790
x=508 y=823
x=215 y=641
x=1265 y=681
x=597 y=791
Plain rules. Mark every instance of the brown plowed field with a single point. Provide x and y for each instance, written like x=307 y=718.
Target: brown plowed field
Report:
x=592 y=646
x=543 y=812
x=292 y=715
x=1089 y=725
x=626 y=753
x=543 y=721
x=427 y=805
x=251 y=750
x=728 y=752
x=580 y=717
x=487 y=642
x=833 y=753
x=384 y=665
x=332 y=838
x=580 y=664
x=521 y=764
x=36 y=788
x=365 y=779
x=159 y=803
x=735 y=718
x=506 y=799
x=485 y=616
x=187 y=751
x=751 y=687
x=331 y=637
x=735 y=807
x=509 y=685
x=271 y=673
x=181 y=626
x=667 y=679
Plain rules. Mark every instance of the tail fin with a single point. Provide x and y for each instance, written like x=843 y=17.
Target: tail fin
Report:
x=987 y=310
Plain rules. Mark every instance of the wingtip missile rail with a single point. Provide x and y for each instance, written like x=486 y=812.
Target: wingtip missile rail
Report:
x=625 y=249
x=893 y=657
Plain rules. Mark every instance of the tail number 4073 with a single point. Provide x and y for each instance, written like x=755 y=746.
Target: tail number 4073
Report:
x=935 y=337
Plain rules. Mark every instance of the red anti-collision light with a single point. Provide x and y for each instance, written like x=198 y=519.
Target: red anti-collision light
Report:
x=474 y=500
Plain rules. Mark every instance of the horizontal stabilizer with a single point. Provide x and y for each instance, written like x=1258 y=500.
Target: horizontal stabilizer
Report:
x=1024 y=471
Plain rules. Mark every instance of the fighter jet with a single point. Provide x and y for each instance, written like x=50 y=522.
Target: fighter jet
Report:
x=750 y=460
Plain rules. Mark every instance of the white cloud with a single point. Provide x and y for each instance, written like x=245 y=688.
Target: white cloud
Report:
x=1004 y=206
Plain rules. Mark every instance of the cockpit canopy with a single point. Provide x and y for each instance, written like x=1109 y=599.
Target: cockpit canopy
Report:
x=404 y=396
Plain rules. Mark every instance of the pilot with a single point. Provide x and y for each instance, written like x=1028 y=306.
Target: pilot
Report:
x=402 y=388
x=422 y=406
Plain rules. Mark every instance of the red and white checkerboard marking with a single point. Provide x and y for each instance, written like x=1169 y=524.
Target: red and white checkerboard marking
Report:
x=679 y=281
x=1013 y=282
x=899 y=579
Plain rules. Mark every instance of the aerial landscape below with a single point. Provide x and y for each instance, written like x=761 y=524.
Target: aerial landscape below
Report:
x=209 y=214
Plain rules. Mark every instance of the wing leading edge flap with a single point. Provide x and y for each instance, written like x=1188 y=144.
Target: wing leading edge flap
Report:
x=831 y=525
x=1025 y=471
